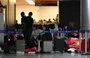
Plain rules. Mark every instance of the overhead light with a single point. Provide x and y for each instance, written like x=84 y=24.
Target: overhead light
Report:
x=31 y=2
x=14 y=1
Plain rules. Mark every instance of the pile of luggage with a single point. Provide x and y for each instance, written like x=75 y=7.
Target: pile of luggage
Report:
x=10 y=43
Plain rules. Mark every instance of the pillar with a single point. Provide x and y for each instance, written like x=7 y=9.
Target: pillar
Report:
x=10 y=12
x=85 y=20
x=84 y=13
x=11 y=9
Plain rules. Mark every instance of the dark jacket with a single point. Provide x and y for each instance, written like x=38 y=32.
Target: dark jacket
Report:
x=23 y=22
x=29 y=22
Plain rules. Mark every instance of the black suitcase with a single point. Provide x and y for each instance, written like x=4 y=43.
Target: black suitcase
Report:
x=60 y=45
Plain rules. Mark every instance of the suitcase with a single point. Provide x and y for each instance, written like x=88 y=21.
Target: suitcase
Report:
x=20 y=44
x=60 y=45
x=47 y=46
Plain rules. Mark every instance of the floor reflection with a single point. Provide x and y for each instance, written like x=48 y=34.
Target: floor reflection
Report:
x=65 y=55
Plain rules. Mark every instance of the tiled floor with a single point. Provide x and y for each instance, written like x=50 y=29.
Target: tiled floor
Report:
x=65 y=55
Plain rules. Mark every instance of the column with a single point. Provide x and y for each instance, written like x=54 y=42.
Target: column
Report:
x=11 y=12
x=84 y=13
x=85 y=20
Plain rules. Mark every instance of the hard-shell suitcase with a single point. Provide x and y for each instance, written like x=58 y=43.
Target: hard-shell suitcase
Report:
x=20 y=44
x=47 y=46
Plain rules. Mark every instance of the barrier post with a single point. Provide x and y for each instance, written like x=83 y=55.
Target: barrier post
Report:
x=86 y=42
x=80 y=38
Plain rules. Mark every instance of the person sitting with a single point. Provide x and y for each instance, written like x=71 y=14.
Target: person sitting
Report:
x=49 y=21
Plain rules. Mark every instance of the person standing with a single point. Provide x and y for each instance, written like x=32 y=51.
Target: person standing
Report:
x=29 y=27
x=23 y=23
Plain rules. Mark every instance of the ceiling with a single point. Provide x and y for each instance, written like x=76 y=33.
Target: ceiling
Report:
x=39 y=2
x=69 y=0
x=21 y=2
x=46 y=2
x=42 y=2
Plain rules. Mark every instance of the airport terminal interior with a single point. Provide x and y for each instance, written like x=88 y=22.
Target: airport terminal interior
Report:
x=44 y=29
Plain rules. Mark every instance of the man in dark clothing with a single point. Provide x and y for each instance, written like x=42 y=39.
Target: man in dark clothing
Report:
x=23 y=19
x=16 y=25
x=23 y=23
x=29 y=27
